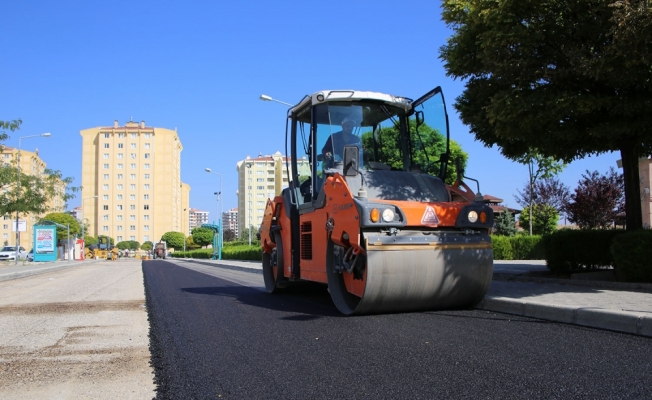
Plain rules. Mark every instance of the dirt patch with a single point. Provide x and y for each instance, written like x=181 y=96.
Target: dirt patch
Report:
x=72 y=307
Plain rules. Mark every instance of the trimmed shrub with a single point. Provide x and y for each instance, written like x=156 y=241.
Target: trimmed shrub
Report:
x=632 y=254
x=243 y=252
x=527 y=247
x=502 y=247
x=569 y=251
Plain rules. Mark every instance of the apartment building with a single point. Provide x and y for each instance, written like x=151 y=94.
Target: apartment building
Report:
x=30 y=164
x=261 y=178
x=230 y=221
x=135 y=172
x=196 y=218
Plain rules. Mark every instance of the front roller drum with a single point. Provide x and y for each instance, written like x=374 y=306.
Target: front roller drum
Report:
x=411 y=278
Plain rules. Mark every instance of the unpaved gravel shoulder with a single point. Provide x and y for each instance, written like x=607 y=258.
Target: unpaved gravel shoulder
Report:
x=80 y=333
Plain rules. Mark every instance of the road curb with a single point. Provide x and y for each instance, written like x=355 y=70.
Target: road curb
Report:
x=24 y=274
x=225 y=266
x=636 y=323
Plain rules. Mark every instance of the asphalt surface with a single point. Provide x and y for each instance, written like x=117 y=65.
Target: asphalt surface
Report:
x=215 y=334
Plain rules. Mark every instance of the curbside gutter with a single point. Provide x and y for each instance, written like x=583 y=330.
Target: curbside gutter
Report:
x=635 y=323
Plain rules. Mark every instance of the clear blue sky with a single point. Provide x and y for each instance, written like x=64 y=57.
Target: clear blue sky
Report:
x=200 y=66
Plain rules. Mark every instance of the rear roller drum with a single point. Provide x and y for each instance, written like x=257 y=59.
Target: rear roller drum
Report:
x=273 y=267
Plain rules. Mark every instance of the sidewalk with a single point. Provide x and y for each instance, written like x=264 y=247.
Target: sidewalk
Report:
x=614 y=306
x=8 y=270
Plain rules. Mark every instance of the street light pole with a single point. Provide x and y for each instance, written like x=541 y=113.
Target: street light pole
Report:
x=47 y=134
x=219 y=257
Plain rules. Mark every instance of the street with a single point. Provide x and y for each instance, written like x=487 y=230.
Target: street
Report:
x=215 y=333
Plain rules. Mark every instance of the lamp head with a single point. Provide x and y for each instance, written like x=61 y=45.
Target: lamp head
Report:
x=47 y=134
x=208 y=170
x=265 y=97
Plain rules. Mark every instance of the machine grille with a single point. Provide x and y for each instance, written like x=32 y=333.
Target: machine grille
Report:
x=306 y=240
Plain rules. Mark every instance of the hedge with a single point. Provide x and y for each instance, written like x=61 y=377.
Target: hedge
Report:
x=233 y=252
x=569 y=251
x=518 y=247
x=632 y=254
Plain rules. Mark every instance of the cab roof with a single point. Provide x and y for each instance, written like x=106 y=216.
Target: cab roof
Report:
x=325 y=96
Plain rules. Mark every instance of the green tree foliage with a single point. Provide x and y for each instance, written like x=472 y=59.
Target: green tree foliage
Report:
x=545 y=219
x=89 y=240
x=64 y=219
x=244 y=235
x=148 y=245
x=134 y=245
x=433 y=141
x=174 y=239
x=190 y=244
x=504 y=224
x=228 y=236
x=569 y=78
x=202 y=236
x=13 y=125
x=124 y=245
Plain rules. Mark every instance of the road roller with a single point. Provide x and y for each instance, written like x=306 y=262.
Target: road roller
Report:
x=367 y=209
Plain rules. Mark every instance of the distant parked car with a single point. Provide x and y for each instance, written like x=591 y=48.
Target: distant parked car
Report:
x=9 y=253
x=30 y=255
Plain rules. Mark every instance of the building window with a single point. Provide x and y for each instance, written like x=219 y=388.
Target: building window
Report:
x=132 y=176
x=132 y=217
x=105 y=166
x=146 y=176
x=147 y=145
x=105 y=217
x=106 y=145
x=132 y=166
x=260 y=187
x=132 y=186
x=147 y=136
x=105 y=228
x=119 y=217
x=119 y=238
x=132 y=197
x=146 y=155
x=132 y=237
x=132 y=207
x=119 y=197
x=119 y=155
x=260 y=180
x=119 y=166
x=132 y=227
x=146 y=217
x=146 y=227
x=146 y=207
x=106 y=136
x=105 y=187
x=133 y=145
x=146 y=166
x=146 y=186
x=119 y=206
x=133 y=136
x=119 y=186
x=119 y=176
x=133 y=155
x=119 y=227
x=106 y=155
x=146 y=237
x=105 y=207
x=146 y=197
x=5 y=226
x=105 y=197
x=120 y=145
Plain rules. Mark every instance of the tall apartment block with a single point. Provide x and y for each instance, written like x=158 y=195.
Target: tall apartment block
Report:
x=30 y=164
x=197 y=217
x=261 y=178
x=230 y=221
x=135 y=172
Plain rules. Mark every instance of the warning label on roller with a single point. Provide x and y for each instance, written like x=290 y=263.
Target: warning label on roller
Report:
x=429 y=217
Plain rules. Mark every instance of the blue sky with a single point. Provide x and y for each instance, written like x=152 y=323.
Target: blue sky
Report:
x=200 y=67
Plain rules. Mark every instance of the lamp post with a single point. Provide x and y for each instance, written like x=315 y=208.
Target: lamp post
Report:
x=265 y=97
x=219 y=212
x=83 y=218
x=47 y=134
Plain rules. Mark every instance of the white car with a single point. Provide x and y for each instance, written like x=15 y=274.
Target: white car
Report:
x=9 y=253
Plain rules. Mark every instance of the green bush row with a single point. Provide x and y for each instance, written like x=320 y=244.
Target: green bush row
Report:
x=632 y=253
x=569 y=251
x=237 y=252
x=518 y=247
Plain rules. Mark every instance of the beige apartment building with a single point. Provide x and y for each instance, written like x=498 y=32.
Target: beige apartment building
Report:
x=135 y=172
x=230 y=221
x=30 y=164
x=196 y=218
x=261 y=178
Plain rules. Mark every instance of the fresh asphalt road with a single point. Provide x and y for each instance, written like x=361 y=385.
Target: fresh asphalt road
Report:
x=214 y=333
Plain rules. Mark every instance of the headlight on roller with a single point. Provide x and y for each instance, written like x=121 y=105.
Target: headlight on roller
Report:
x=388 y=215
x=472 y=216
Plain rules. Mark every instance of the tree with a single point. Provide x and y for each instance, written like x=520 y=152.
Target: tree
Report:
x=190 y=245
x=228 y=235
x=598 y=200
x=148 y=245
x=174 y=239
x=202 y=236
x=549 y=191
x=545 y=219
x=89 y=240
x=124 y=245
x=13 y=125
x=428 y=139
x=569 y=78
x=64 y=219
x=244 y=235
x=134 y=245
x=504 y=224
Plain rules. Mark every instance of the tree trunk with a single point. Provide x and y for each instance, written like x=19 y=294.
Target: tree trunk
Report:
x=634 y=213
